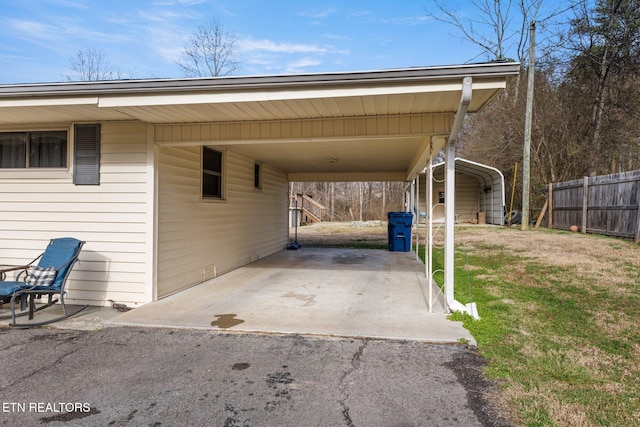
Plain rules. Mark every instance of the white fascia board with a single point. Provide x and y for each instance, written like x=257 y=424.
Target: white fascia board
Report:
x=272 y=95
x=45 y=102
x=488 y=84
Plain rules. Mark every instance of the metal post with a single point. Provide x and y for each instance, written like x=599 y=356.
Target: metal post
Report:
x=417 y=215
x=449 y=217
x=428 y=248
x=550 y=222
x=585 y=202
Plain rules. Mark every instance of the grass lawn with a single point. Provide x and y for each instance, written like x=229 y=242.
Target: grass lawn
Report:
x=562 y=340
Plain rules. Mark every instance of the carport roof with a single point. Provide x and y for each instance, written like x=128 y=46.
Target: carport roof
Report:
x=488 y=174
x=379 y=125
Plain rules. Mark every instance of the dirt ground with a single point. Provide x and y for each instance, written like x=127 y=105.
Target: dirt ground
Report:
x=343 y=234
x=584 y=252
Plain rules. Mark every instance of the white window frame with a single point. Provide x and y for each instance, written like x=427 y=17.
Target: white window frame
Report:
x=62 y=172
x=223 y=158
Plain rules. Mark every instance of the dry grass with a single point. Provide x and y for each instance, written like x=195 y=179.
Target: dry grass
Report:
x=372 y=234
x=559 y=320
x=568 y=349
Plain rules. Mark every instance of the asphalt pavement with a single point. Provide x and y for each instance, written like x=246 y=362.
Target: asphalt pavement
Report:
x=121 y=376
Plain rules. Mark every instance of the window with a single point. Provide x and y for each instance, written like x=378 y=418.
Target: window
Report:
x=42 y=149
x=440 y=196
x=211 y=173
x=257 y=179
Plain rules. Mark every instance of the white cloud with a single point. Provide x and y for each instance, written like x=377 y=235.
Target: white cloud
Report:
x=64 y=31
x=32 y=29
x=79 y=4
x=360 y=13
x=317 y=14
x=248 y=45
x=166 y=16
x=411 y=20
x=179 y=2
x=335 y=36
x=303 y=63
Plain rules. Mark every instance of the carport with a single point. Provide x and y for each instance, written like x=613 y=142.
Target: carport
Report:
x=151 y=233
x=479 y=193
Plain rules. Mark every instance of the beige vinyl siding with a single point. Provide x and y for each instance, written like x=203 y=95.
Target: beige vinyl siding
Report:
x=198 y=240
x=406 y=124
x=36 y=206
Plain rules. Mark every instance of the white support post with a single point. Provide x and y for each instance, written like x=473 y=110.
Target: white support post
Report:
x=449 y=219
x=417 y=215
x=428 y=248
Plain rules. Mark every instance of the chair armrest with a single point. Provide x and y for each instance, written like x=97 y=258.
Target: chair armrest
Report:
x=6 y=268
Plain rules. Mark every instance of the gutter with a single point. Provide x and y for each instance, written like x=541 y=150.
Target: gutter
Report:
x=450 y=162
x=378 y=77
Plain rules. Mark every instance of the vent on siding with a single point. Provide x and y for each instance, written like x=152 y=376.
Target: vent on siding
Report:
x=86 y=163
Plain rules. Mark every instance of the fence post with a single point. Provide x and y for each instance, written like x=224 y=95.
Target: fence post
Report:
x=550 y=225
x=637 y=239
x=585 y=202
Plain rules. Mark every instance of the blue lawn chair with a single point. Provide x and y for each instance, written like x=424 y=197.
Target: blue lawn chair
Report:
x=47 y=278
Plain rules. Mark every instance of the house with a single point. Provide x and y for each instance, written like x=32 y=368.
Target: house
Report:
x=172 y=182
x=479 y=193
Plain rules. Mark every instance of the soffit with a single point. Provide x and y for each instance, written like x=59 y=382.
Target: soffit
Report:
x=274 y=99
x=267 y=105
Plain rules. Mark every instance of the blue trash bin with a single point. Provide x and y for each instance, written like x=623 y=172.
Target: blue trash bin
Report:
x=399 y=231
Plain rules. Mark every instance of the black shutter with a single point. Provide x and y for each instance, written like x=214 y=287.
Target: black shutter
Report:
x=86 y=165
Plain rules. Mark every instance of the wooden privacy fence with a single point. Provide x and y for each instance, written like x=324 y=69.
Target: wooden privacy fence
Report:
x=607 y=204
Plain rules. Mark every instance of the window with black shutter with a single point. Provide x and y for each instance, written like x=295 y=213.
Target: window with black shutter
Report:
x=86 y=165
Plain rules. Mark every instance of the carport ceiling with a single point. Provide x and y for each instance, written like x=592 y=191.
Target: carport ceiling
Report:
x=331 y=126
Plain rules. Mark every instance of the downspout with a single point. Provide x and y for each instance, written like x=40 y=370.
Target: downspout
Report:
x=450 y=185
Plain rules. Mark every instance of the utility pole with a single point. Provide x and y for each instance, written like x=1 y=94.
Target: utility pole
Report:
x=526 y=151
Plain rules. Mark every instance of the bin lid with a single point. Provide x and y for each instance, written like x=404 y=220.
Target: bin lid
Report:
x=399 y=214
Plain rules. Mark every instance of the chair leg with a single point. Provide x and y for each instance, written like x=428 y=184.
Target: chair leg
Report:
x=64 y=307
x=13 y=307
x=51 y=301
x=24 y=300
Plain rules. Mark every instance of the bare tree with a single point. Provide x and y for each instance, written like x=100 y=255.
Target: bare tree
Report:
x=498 y=26
x=209 y=52
x=89 y=65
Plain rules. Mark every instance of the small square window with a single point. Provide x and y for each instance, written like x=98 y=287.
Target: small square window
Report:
x=211 y=173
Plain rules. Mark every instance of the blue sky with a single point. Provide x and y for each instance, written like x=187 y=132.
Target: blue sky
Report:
x=143 y=39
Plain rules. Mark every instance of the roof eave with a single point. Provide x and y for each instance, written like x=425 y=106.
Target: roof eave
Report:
x=483 y=70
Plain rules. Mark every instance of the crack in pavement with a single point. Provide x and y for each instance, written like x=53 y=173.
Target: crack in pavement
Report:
x=356 y=361
x=39 y=370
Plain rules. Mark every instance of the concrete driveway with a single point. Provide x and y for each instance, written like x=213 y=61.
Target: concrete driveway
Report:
x=362 y=293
